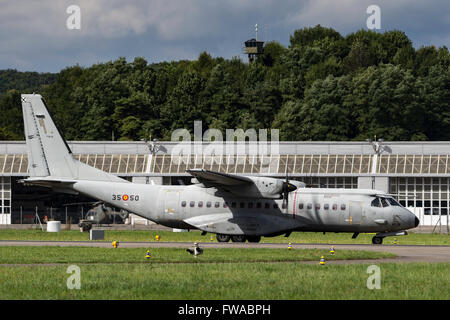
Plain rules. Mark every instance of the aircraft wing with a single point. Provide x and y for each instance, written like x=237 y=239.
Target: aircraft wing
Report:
x=212 y=178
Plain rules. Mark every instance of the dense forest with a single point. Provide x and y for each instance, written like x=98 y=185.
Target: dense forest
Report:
x=323 y=86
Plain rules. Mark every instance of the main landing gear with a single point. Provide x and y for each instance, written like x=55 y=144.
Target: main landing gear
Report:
x=237 y=238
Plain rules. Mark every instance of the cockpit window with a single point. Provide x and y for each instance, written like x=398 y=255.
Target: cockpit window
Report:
x=393 y=202
x=384 y=202
x=376 y=202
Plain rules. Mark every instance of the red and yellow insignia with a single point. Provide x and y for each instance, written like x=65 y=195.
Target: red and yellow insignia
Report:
x=125 y=197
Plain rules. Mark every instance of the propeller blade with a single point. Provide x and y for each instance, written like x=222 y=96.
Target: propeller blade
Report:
x=286 y=193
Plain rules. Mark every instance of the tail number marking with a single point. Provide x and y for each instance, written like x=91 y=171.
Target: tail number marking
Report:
x=125 y=197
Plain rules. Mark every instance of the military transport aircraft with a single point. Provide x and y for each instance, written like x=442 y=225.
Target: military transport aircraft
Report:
x=232 y=206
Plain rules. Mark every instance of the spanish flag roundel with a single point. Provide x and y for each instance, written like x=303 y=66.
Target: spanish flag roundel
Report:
x=125 y=197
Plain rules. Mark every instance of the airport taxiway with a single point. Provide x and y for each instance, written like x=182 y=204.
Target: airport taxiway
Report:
x=404 y=253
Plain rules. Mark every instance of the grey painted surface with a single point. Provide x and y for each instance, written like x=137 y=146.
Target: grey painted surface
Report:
x=364 y=182
x=382 y=183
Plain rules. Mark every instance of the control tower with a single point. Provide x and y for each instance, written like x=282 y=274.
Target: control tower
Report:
x=253 y=47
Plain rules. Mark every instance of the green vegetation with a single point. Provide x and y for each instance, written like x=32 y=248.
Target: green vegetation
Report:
x=323 y=86
x=30 y=254
x=227 y=281
x=195 y=236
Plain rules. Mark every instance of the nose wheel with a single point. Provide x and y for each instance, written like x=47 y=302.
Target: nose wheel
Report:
x=377 y=240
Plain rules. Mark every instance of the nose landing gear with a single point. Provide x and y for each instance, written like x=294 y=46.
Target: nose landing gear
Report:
x=378 y=239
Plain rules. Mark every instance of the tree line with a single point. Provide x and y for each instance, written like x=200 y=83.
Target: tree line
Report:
x=322 y=86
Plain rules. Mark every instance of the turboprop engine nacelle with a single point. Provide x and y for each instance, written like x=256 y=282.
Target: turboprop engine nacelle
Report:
x=264 y=187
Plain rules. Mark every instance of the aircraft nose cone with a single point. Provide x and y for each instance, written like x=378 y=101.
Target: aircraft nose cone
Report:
x=416 y=222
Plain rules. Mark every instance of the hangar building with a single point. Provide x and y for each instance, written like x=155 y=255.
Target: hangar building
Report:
x=416 y=173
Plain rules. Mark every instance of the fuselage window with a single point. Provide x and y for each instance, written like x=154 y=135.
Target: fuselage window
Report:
x=326 y=206
x=335 y=207
x=375 y=202
x=217 y=204
x=183 y=204
x=208 y=204
x=300 y=206
x=384 y=202
x=200 y=204
x=342 y=206
x=192 y=204
x=317 y=206
x=309 y=206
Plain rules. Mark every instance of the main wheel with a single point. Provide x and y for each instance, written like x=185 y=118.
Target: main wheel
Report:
x=223 y=237
x=254 y=238
x=239 y=238
x=377 y=240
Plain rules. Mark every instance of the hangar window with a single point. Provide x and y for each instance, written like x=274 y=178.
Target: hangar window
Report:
x=200 y=204
x=233 y=204
x=242 y=204
x=275 y=205
x=267 y=205
x=342 y=206
x=250 y=205
x=183 y=203
x=258 y=205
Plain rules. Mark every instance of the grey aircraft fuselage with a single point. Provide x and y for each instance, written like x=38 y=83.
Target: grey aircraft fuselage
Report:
x=308 y=209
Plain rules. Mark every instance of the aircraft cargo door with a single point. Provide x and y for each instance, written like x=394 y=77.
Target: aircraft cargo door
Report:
x=171 y=203
x=355 y=212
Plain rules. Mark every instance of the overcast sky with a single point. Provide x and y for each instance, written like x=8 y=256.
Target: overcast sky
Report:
x=34 y=34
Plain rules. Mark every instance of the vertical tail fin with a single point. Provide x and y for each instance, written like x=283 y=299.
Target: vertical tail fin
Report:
x=48 y=152
x=49 y=155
